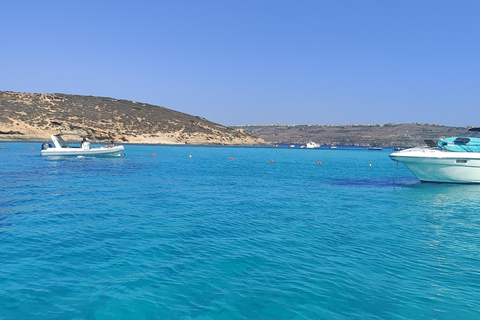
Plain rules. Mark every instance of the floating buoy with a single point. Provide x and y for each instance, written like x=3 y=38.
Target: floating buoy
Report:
x=154 y=155
x=271 y=160
x=319 y=162
x=32 y=148
x=190 y=156
x=369 y=164
x=3 y=147
x=231 y=158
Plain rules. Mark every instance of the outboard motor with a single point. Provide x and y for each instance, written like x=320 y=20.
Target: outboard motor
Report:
x=45 y=146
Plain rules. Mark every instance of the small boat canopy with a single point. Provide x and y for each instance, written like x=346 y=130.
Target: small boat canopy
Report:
x=71 y=134
x=60 y=143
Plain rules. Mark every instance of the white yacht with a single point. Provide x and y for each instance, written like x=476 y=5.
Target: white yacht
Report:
x=61 y=148
x=454 y=160
x=312 y=145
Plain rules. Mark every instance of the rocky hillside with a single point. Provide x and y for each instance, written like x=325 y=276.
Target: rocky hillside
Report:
x=26 y=116
x=392 y=134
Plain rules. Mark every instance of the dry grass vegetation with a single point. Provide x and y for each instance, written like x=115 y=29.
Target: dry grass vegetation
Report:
x=26 y=116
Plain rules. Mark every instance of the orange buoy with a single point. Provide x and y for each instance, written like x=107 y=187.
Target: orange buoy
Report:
x=271 y=160
x=319 y=162
x=32 y=148
x=231 y=158
x=3 y=147
x=153 y=154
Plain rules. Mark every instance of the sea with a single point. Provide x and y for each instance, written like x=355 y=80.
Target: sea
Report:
x=199 y=232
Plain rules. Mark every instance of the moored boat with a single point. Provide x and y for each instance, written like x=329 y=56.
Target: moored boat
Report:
x=61 y=148
x=453 y=160
x=374 y=147
x=312 y=145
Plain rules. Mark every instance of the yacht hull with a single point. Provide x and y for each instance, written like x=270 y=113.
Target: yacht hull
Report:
x=435 y=165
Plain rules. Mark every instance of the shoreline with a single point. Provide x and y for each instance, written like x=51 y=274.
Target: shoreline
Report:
x=161 y=143
x=268 y=145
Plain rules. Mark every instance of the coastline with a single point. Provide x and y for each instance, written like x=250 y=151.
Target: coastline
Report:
x=145 y=141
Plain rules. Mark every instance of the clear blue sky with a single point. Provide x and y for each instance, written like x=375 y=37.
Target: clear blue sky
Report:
x=254 y=61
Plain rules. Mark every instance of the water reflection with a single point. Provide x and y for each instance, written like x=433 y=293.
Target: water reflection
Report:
x=462 y=195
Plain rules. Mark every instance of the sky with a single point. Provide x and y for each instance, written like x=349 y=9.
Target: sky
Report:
x=254 y=61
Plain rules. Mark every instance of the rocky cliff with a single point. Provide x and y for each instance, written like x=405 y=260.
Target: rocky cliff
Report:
x=27 y=116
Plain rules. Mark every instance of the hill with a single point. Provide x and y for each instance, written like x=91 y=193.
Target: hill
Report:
x=386 y=135
x=27 y=116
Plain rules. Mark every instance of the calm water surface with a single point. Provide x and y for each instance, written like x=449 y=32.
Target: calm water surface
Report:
x=192 y=234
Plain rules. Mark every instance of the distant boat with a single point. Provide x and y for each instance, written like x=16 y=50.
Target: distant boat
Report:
x=332 y=147
x=374 y=147
x=62 y=148
x=312 y=145
x=292 y=146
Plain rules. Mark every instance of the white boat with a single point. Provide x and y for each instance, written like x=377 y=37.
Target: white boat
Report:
x=454 y=160
x=312 y=145
x=61 y=148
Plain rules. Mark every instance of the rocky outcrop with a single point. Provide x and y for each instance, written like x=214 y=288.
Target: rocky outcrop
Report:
x=27 y=116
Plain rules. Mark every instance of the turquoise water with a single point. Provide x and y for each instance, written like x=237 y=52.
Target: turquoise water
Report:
x=192 y=234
